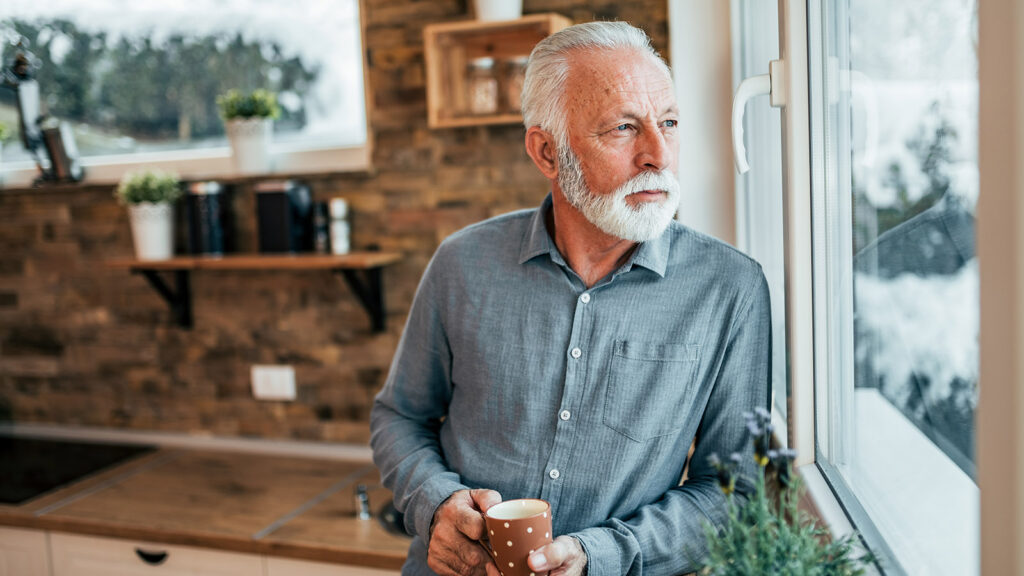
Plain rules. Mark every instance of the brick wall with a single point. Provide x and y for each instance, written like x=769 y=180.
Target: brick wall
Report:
x=81 y=344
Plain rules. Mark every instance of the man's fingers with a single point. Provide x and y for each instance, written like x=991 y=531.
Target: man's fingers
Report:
x=452 y=554
x=484 y=499
x=555 y=554
x=470 y=519
x=470 y=522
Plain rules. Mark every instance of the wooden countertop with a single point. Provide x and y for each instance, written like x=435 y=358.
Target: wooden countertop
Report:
x=263 y=504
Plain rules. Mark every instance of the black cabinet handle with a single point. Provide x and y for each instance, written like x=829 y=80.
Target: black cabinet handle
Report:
x=151 y=558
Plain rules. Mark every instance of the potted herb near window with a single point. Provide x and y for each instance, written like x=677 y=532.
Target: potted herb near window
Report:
x=249 y=121
x=768 y=533
x=150 y=198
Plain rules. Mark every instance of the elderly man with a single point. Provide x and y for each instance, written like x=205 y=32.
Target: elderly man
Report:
x=575 y=351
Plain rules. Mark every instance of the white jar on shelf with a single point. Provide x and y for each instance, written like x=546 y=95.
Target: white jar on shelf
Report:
x=339 y=228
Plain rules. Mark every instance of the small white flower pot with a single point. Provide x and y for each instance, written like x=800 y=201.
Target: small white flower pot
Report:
x=152 y=230
x=250 y=144
x=498 y=9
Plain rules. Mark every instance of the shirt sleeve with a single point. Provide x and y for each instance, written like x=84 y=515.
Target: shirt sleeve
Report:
x=667 y=536
x=407 y=413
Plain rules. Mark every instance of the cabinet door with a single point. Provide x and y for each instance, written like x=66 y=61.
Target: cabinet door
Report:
x=90 y=556
x=23 y=553
x=288 y=567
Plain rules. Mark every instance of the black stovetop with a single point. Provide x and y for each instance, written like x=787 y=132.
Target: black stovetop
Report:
x=30 y=467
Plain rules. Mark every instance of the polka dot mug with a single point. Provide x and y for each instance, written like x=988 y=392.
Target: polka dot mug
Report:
x=516 y=528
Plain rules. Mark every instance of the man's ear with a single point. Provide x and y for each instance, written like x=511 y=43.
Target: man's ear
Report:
x=540 y=145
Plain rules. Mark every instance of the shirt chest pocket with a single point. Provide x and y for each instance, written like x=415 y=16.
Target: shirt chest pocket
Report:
x=650 y=388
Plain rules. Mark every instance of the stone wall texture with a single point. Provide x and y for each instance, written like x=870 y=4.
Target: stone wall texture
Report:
x=86 y=345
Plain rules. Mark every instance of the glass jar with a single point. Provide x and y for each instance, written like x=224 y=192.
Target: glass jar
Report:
x=482 y=86
x=514 y=78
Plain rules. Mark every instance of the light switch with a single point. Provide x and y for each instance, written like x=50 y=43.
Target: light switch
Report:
x=273 y=382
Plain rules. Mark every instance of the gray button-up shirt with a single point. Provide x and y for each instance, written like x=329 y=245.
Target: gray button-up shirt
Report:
x=513 y=375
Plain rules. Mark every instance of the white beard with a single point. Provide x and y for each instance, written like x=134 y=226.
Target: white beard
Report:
x=610 y=213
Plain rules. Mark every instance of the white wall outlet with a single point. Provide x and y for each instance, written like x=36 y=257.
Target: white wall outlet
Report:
x=273 y=382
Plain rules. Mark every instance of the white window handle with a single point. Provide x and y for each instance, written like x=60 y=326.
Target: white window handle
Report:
x=772 y=84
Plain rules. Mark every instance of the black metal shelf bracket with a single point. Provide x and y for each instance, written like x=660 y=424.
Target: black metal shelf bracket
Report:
x=367 y=285
x=179 y=299
x=368 y=288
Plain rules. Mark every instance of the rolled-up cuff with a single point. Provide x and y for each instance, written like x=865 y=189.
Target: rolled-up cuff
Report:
x=424 y=504
x=603 y=555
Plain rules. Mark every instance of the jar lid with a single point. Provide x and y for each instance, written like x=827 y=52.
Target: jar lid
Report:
x=339 y=208
x=484 y=62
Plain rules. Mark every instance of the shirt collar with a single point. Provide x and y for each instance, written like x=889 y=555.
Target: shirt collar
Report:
x=652 y=255
x=537 y=241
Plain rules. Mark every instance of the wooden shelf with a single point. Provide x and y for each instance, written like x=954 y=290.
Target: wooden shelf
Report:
x=354 y=260
x=449 y=46
x=361 y=271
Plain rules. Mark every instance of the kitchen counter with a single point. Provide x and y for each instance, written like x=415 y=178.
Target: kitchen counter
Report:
x=291 y=507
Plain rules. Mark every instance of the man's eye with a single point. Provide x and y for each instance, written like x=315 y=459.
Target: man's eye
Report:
x=671 y=123
x=622 y=127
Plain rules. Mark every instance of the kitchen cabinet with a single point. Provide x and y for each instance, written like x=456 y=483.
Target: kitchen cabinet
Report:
x=450 y=47
x=75 y=555
x=23 y=553
x=288 y=567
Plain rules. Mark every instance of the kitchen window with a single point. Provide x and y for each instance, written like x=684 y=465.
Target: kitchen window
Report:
x=138 y=81
x=879 y=167
x=894 y=108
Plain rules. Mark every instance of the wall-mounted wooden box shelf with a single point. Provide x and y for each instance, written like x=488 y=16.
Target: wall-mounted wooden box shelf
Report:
x=450 y=46
x=361 y=270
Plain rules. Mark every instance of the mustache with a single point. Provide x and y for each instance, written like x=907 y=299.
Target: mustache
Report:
x=664 y=181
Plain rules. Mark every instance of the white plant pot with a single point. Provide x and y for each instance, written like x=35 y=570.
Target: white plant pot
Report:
x=152 y=230
x=250 y=144
x=498 y=9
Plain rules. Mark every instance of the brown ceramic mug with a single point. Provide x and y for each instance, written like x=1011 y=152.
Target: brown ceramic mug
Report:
x=517 y=528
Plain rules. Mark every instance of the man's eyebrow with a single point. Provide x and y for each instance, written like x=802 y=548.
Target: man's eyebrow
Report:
x=615 y=116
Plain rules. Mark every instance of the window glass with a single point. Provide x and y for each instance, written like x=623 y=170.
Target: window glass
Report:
x=144 y=76
x=894 y=118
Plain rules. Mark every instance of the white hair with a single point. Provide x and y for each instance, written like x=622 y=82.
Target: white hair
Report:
x=548 y=69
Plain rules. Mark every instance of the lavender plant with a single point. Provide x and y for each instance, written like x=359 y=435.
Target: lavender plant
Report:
x=770 y=534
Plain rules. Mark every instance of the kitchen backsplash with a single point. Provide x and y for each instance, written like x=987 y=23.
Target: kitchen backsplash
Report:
x=81 y=344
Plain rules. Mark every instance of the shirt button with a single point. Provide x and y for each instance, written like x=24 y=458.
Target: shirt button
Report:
x=554 y=474
x=576 y=353
x=585 y=297
x=565 y=415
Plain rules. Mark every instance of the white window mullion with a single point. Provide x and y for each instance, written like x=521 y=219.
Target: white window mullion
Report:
x=797 y=225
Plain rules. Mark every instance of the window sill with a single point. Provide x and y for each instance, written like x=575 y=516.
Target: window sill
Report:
x=204 y=164
x=921 y=512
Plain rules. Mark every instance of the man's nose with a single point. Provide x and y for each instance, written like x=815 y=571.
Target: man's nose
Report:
x=655 y=152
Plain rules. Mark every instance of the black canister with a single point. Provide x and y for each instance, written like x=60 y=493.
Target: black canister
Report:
x=206 y=212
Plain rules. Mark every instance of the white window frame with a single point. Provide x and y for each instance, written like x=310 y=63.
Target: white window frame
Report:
x=287 y=158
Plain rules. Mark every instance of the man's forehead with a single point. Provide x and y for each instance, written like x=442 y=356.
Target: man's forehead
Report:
x=611 y=73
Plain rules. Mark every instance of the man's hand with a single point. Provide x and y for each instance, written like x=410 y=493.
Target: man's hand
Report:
x=455 y=536
x=563 y=557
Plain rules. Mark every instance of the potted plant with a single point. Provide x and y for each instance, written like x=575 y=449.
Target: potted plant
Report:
x=769 y=534
x=150 y=198
x=248 y=121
